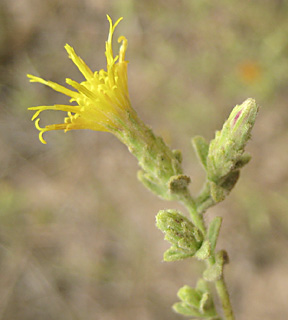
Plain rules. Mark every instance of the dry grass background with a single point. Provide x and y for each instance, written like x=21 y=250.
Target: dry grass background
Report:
x=77 y=233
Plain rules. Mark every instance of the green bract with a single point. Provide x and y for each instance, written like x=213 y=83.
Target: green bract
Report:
x=184 y=237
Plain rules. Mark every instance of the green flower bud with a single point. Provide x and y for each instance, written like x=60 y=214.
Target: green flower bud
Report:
x=184 y=237
x=226 y=151
x=195 y=302
x=157 y=161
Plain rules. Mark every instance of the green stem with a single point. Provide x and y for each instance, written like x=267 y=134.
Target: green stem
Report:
x=224 y=297
x=196 y=218
x=220 y=284
x=204 y=199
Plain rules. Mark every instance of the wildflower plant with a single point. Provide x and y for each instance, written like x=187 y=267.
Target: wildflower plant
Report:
x=101 y=102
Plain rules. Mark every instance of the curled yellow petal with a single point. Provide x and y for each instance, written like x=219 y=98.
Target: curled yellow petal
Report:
x=101 y=101
x=123 y=48
x=82 y=66
x=54 y=85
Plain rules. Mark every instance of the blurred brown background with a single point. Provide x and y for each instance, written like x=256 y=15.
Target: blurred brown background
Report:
x=77 y=231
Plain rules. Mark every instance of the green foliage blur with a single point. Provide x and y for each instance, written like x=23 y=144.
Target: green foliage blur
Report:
x=77 y=231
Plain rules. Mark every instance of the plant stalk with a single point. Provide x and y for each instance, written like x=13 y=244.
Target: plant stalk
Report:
x=190 y=204
x=225 y=299
x=220 y=284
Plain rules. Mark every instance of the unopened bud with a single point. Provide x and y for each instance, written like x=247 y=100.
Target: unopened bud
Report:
x=184 y=237
x=226 y=150
x=241 y=121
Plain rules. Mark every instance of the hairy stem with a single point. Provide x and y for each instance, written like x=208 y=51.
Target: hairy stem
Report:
x=196 y=218
x=224 y=297
x=204 y=199
x=220 y=284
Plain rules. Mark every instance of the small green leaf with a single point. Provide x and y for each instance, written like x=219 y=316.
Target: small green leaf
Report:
x=178 y=183
x=176 y=254
x=150 y=183
x=243 y=160
x=215 y=272
x=186 y=310
x=204 y=299
x=202 y=285
x=201 y=146
x=190 y=295
x=230 y=181
x=222 y=188
x=218 y=193
x=204 y=251
x=213 y=231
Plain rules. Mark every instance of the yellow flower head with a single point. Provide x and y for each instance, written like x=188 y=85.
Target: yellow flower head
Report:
x=101 y=101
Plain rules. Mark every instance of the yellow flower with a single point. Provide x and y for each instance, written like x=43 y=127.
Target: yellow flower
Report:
x=101 y=101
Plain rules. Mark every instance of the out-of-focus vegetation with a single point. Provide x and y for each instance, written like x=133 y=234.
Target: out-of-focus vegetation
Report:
x=77 y=234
